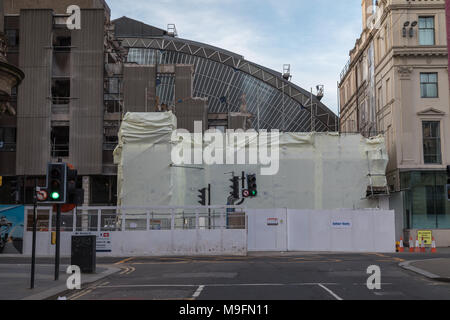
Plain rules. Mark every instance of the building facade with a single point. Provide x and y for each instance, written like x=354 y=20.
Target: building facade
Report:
x=80 y=82
x=396 y=83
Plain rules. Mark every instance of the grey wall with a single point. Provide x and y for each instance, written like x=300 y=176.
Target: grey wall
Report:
x=34 y=105
x=86 y=106
x=191 y=110
x=183 y=82
x=237 y=122
x=136 y=79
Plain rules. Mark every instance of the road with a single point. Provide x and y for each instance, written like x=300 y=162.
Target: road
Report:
x=293 y=277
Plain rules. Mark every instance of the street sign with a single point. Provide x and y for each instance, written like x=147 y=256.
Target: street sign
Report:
x=426 y=235
x=42 y=195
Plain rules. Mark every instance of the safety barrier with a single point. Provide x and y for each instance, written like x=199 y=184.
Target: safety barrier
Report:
x=144 y=231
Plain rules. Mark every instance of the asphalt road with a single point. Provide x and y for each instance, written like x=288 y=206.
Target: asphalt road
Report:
x=294 y=277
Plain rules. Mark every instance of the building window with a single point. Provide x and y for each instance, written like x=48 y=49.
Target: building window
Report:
x=429 y=85
x=61 y=91
x=432 y=142
x=426 y=31
x=104 y=191
x=13 y=38
x=7 y=139
x=60 y=142
x=111 y=136
x=425 y=204
x=62 y=40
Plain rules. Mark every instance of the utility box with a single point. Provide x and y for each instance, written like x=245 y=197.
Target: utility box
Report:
x=84 y=254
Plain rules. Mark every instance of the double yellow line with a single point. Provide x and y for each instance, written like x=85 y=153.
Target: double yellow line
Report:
x=87 y=291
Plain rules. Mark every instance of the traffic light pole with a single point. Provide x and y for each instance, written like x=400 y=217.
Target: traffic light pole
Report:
x=209 y=205
x=58 y=230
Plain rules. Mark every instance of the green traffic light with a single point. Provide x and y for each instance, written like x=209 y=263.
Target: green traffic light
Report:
x=55 y=195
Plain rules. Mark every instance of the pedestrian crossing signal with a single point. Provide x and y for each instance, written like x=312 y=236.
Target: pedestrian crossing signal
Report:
x=448 y=192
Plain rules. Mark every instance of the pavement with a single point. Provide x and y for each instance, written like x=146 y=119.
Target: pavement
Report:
x=434 y=269
x=15 y=279
x=259 y=276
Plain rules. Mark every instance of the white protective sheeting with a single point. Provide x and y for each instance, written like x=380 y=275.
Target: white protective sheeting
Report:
x=316 y=171
x=143 y=154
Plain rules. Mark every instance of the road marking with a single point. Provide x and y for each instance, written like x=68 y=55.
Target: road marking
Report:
x=125 y=270
x=380 y=255
x=212 y=285
x=80 y=295
x=132 y=269
x=124 y=260
x=294 y=261
x=330 y=292
x=87 y=291
x=198 y=292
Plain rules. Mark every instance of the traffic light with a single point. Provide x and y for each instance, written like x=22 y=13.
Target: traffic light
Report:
x=251 y=184
x=74 y=195
x=235 y=188
x=202 y=196
x=57 y=183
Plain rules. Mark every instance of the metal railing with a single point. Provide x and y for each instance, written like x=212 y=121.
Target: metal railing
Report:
x=108 y=219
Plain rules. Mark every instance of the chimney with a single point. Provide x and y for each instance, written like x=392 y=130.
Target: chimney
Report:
x=367 y=11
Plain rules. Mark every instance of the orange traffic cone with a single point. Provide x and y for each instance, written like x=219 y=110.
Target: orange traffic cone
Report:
x=401 y=247
x=433 y=246
x=417 y=249
x=411 y=244
x=422 y=247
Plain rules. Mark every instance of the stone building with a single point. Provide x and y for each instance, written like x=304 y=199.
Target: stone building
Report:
x=396 y=83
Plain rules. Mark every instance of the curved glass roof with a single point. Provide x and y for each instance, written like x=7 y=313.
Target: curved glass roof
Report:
x=230 y=82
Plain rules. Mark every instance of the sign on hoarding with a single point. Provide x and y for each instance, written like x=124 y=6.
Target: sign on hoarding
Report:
x=103 y=240
x=341 y=224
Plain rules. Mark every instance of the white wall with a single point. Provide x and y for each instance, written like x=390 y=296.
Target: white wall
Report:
x=153 y=243
x=312 y=230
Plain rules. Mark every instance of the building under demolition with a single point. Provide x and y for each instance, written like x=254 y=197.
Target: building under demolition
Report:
x=80 y=83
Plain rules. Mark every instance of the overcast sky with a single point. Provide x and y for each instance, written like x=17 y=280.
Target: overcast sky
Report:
x=314 y=36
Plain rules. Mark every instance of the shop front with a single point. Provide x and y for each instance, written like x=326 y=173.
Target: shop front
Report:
x=426 y=206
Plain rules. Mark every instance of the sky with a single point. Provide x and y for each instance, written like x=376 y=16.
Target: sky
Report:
x=313 y=36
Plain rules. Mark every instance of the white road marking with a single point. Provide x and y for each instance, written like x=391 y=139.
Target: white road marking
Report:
x=198 y=292
x=330 y=292
x=212 y=285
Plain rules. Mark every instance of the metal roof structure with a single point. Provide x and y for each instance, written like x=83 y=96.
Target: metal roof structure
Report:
x=228 y=80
